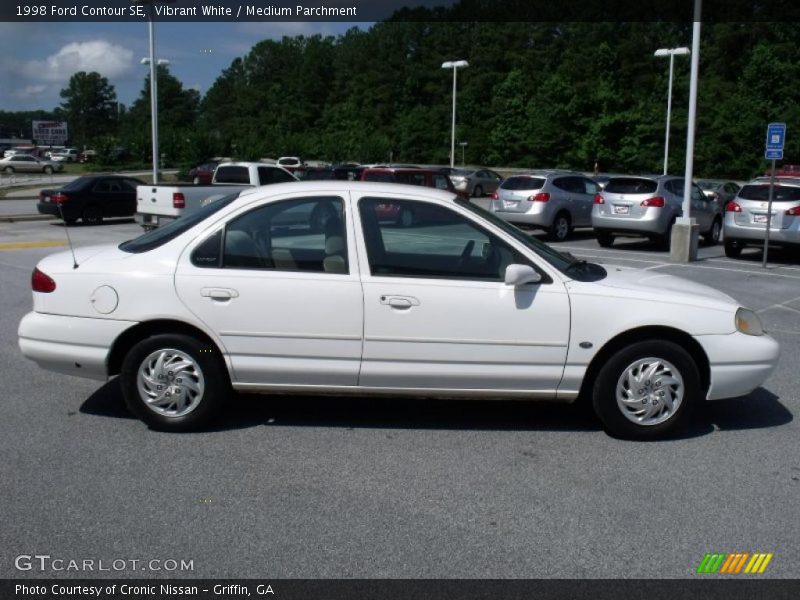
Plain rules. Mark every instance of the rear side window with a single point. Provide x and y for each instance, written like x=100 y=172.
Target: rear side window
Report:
x=232 y=175
x=780 y=193
x=267 y=175
x=522 y=183
x=631 y=185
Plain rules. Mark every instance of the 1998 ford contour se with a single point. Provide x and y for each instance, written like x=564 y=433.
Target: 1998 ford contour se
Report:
x=253 y=293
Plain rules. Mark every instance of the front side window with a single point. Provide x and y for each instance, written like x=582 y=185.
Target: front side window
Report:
x=408 y=238
x=305 y=234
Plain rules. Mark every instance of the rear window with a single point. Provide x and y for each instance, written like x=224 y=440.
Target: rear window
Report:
x=630 y=185
x=781 y=193
x=385 y=176
x=232 y=175
x=158 y=237
x=522 y=183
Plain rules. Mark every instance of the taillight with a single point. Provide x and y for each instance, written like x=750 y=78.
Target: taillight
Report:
x=732 y=207
x=60 y=198
x=598 y=199
x=657 y=202
x=493 y=196
x=178 y=200
x=794 y=212
x=540 y=197
x=41 y=282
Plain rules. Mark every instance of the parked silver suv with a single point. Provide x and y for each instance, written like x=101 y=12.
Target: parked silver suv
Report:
x=746 y=215
x=648 y=206
x=556 y=201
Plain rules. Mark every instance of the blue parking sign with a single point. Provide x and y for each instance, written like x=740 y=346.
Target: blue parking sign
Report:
x=776 y=135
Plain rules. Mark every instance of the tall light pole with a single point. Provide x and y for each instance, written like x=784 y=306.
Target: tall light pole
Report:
x=153 y=85
x=455 y=65
x=672 y=53
x=154 y=101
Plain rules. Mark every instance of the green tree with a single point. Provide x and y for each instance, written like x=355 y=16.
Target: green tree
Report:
x=89 y=107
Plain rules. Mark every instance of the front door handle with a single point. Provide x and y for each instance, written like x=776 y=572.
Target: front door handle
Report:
x=400 y=302
x=219 y=293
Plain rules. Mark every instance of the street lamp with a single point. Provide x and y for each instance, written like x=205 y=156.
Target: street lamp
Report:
x=152 y=62
x=672 y=53
x=455 y=65
x=463 y=146
x=154 y=102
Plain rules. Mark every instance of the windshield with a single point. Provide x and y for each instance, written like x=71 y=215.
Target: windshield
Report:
x=76 y=184
x=158 y=237
x=709 y=185
x=554 y=257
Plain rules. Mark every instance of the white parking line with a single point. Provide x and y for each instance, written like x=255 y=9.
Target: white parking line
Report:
x=658 y=264
x=782 y=305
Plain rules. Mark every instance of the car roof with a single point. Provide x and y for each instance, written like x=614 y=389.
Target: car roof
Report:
x=403 y=170
x=340 y=186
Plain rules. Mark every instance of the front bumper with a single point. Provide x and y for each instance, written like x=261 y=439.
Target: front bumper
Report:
x=739 y=362
x=72 y=345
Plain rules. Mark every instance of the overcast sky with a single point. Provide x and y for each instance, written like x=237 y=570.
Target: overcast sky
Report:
x=37 y=59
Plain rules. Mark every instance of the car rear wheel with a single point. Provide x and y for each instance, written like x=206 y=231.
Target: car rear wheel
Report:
x=646 y=389
x=9 y=170
x=559 y=230
x=92 y=216
x=733 y=248
x=48 y=170
x=174 y=382
x=478 y=191
x=604 y=238
x=713 y=235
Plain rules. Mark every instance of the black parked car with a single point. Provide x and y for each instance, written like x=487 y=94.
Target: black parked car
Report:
x=91 y=198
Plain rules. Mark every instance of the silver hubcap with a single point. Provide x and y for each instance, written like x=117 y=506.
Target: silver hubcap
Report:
x=170 y=383
x=650 y=391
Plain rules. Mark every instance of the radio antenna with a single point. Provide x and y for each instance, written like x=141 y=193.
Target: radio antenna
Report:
x=69 y=239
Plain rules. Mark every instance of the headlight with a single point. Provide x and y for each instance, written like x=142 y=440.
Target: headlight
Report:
x=748 y=322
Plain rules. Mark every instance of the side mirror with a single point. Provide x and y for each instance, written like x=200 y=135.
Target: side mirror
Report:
x=517 y=275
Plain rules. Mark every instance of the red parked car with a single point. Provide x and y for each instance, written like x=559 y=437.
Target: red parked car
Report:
x=203 y=174
x=409 y=176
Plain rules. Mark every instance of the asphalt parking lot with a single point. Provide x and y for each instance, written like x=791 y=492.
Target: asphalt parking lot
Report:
x=306 y=487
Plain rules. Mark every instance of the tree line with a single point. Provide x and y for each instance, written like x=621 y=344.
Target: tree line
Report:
x=536 y=95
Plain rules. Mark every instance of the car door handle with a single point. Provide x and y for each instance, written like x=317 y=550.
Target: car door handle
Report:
x=400 y=302
x=219 y=293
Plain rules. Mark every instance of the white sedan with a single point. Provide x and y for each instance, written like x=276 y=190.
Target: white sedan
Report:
x=257 y=293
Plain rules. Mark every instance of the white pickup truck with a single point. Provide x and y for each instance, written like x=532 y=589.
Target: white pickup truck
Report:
x=162 y=203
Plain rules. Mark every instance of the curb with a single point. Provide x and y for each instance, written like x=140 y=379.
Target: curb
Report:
x=21 y=218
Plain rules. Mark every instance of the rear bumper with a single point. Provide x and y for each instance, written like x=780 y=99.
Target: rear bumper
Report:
x=655 y=221
x=72 y=345
x=739 y=363
x=149 y=220
x=787 y=236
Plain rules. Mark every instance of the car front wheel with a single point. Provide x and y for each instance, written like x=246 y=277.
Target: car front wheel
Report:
x=9 y=170
x=478 y=191
x=646 y=389
x=174 y=382
x=713 y=235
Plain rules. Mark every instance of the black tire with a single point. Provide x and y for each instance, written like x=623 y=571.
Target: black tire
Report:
x=206 y=369
x=478 y=191
x=560 y=227
x=604 y=238
x=713 y=235
x=9 y=170
x=733 y=248
x=92 y=216
x=48 y=170
x=614 y=378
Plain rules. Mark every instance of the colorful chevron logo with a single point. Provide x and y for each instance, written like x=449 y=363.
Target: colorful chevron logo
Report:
x=736 y=563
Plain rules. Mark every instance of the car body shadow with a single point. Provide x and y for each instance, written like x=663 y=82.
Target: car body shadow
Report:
x=759 y=410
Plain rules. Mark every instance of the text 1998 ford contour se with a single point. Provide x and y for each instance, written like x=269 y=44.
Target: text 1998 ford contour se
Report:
x=308 y=287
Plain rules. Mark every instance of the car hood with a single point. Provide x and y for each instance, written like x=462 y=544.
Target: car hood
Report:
x=656 y=286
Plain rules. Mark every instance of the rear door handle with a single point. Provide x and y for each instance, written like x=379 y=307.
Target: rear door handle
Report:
x=219 y=293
